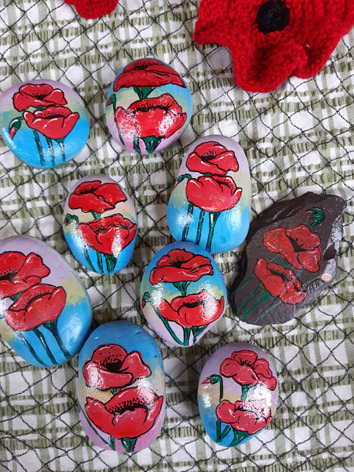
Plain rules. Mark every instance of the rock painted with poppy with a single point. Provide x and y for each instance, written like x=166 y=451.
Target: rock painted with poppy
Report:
x=99 y=224
x=237 y=394
x=43 y=122
x=45 y=312
x=210 y=204
x=148 y=106
x=182 y=293
x=121 y=388
x=289 y=259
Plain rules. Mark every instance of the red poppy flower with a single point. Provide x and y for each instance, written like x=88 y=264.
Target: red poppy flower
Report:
x=158 y=117
x=53 y=122
x=147 y=73
x=273 y=39
x=247 y=369
x=93 y=8
x=19 y=272
x=39 y=304
x=111 y=367
x=109 y=235
x=97 y=197
x=129 y=414
x=37 y=95
x=179 y=265
x=214 y=193
x=198 y=309
x=212 y=157
x=279 y=282
x=298 y=245
x=249 y=416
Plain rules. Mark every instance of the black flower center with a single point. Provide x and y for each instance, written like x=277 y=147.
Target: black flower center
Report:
x=273 y=15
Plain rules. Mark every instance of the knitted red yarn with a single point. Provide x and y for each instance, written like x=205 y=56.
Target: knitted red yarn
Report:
x=93 y=8
x=273 y=39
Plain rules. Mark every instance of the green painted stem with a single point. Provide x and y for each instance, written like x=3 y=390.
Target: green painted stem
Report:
x=186 y=333
x=45 y=345
x=143 y=92
x=112 y=443
x=53 y=328
x=111 y=262
x=250 y=297
x=30 y=348
x=99 y=262
x=182 y=287
x=266 y=296
x=147 y=298
x=239 y=436
x=39 y=146
x=136 y=145
x=189 y=221
x=129 y=444
x=268 y=310
x=225 y=432
x=51 y=150
x=96 y=215
x=62 y=149
x=200 y=226
x=213 y=217
x=197 y=331
x=88 y=258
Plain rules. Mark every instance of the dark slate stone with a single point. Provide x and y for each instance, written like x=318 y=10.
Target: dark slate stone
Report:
x=289 y=259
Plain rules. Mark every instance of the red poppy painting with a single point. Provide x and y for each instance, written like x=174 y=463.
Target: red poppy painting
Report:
x=39 y=304
x=93 y=196
x=151 y=119
x=38 y=95
x=112 y=367
x=20 y=272
x=213 y=194
x=212 y=157
x=195 y=310
x=53 y=122
x=108 y=235
x=147 y=73
x=246 y=368
x=249 y=416
x=298 y=245
x=179 y=265
x=127 y=415
x=91 y=9
x=279 y=282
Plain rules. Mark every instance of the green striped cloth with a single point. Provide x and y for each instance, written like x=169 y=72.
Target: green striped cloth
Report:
x=297 y=139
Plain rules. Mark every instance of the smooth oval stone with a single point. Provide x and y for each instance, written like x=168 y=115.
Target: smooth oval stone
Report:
x=210 y=204
x=290 y=257
x=237 y=393
x=121 y=387
x=43 y=122
x=148 y=106
x=45 y=312
x=100 y=224
x=182 y=293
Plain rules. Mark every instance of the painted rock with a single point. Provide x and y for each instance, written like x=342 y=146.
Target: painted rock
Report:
x=45 y=312
x=149 y=106
x=210 y=204
x=121 y=387
x=237 y=394
x=100 y=224
x=290 y=257
x=183 y=293
x=44 y=123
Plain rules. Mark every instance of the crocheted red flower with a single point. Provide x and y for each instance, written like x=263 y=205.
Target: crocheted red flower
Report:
x=271 y=40
x=93 y=8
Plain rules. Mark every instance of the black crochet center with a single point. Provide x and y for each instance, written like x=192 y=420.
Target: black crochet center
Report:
x=273 y=16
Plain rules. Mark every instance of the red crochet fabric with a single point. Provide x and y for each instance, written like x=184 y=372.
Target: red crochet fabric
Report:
x=273 y=39
x=93 y=8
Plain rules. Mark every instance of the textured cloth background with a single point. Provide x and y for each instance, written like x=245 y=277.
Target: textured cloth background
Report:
x=297 y=139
